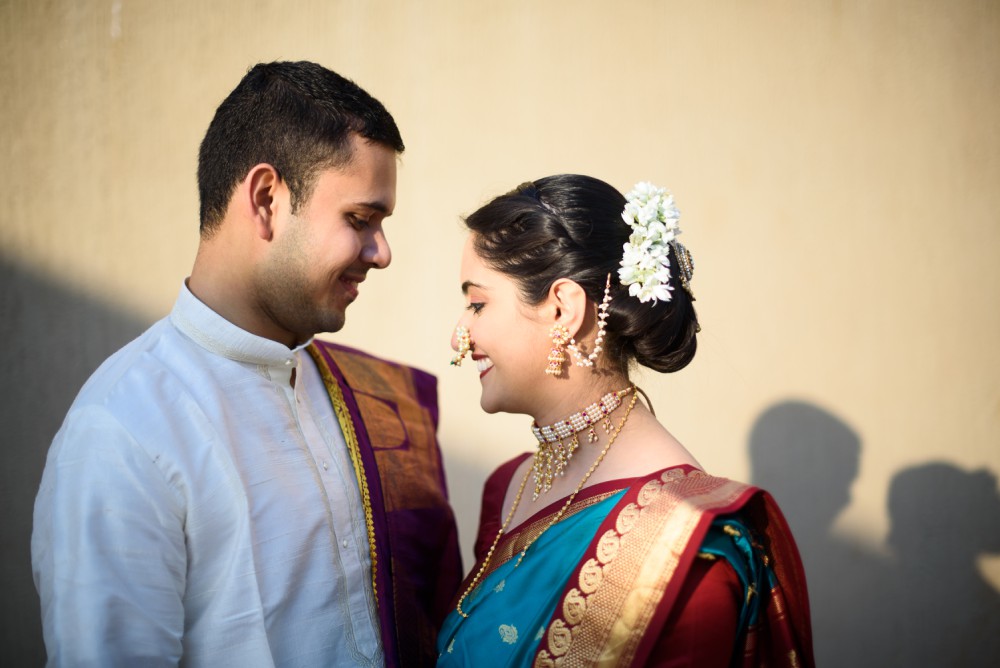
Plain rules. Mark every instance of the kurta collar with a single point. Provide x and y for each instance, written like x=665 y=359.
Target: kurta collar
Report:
x=217 y=335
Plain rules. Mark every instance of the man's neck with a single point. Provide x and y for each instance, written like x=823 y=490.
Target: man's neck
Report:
x=220 y=281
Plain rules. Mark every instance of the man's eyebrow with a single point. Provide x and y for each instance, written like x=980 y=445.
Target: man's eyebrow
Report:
x=377 y=205
x=469 y=284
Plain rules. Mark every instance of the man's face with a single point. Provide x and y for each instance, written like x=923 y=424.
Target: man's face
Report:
x=318 y=256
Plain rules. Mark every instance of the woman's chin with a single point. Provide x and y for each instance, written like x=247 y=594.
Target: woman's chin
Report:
x=491 y=403
x=497 y=404
x=488 y=406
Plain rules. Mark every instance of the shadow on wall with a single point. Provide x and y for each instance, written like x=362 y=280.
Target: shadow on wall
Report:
x=926 y=604
x=53 y=339
x=942 y=519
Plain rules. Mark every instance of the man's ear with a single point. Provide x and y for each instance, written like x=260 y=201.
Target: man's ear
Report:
x=260 y=198
x=567 y=305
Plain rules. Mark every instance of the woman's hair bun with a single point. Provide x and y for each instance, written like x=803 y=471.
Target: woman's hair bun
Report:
x=571 y=226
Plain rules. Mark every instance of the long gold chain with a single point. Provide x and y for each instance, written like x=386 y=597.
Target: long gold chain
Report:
x=558 y=516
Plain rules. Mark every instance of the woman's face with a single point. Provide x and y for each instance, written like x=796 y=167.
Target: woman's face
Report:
x=510 y=341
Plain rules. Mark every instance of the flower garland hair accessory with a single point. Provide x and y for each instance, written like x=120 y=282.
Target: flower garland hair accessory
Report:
x=645 y=265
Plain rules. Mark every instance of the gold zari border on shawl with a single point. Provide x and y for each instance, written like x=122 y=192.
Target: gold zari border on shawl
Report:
x=351 y=438
x=602 y=620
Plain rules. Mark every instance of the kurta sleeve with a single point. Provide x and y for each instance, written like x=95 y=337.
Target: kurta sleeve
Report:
x=108 y=550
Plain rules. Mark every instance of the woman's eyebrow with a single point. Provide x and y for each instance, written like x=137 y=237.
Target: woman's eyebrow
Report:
x=469 y=284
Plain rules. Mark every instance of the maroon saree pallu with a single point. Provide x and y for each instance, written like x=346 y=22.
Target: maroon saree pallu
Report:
x=630 y=579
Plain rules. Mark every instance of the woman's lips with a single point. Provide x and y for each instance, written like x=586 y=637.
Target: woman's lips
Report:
x=484 y=364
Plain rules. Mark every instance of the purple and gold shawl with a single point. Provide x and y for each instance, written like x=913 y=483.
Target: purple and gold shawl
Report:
x=388 y=413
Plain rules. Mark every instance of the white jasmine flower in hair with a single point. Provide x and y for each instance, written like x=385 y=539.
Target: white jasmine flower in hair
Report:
x=644 y=191
x=645 y=265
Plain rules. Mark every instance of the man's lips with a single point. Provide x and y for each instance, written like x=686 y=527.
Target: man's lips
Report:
x=352 y=281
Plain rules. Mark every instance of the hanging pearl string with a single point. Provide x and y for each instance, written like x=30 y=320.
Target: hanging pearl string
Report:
x=602 y=315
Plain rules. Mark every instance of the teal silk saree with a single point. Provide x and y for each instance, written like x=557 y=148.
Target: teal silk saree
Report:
x=604 y=585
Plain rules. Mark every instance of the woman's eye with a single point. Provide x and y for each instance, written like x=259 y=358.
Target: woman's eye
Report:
x=476 y=307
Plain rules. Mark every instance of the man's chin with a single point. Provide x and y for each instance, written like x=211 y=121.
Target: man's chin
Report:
x=331 y=323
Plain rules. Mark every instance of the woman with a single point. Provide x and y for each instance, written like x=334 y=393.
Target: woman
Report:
x=608 y=545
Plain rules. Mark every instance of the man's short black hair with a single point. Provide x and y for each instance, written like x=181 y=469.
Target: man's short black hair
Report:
x=295 y=116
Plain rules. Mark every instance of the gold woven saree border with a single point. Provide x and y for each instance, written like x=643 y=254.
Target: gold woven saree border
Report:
x=601 y=621
x=354 y=449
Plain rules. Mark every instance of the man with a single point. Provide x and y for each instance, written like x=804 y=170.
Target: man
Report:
x=225 y=490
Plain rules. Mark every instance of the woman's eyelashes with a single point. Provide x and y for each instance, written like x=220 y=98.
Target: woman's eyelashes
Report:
x=475 y=307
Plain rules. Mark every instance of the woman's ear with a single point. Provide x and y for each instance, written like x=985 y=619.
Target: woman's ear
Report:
x=567 y=305
x=260 y=194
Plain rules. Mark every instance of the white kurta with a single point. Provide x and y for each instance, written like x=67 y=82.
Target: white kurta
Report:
x=196 y=509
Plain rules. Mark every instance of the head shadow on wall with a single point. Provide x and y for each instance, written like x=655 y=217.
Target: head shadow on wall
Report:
x=922 y=600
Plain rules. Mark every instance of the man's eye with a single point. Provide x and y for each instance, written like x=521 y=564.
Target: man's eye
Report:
x=358 y=222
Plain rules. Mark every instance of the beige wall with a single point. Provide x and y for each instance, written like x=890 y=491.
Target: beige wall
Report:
x=838 y=170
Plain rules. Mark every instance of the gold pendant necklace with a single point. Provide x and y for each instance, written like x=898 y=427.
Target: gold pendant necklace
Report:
x=556 y=518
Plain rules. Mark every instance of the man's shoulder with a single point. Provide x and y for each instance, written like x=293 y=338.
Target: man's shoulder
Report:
x=339 y=349
x=119 y=391
x=389 y=381
x=341 y=354
x=139 y=366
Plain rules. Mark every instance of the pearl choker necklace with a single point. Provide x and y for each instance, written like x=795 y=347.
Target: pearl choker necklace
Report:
x=612 y=435
x=554 y=454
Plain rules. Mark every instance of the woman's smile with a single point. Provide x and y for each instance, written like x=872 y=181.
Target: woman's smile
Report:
x=483 y=364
